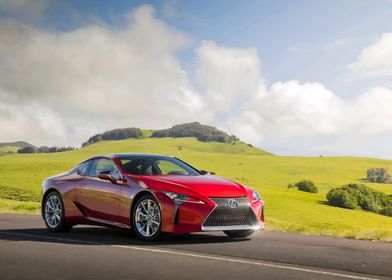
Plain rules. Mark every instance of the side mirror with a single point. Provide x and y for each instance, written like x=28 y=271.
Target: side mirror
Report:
x=107 y=177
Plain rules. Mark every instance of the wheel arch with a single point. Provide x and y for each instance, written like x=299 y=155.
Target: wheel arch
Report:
x=136 y=197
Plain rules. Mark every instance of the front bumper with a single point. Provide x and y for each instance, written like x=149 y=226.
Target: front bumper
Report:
x=233 y=213
x=194 y=217
x=227 y=228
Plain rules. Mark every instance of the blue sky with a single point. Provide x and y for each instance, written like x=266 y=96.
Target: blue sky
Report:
x=319 y=36
x=311 y=74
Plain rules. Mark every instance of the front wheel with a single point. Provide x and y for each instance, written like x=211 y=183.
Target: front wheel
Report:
x=53 y=213
x=239 y=233
x=147 y=218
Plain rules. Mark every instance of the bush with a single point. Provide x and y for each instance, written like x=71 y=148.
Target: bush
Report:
x=306 y=186
x=26 y=150
x=379 y=175
x=387 y=211
x=359 y=196
x=116 y=134
x=54 y=149
x=342 y=198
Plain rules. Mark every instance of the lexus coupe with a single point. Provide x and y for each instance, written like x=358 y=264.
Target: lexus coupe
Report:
x=151 y=195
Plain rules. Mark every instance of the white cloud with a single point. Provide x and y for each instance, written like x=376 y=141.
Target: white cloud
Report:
x=26 y=9
x=33 y=121
x=99 y=76
x=227 y=74
x=286 y=113
x=376 y=59
x=308 y=117
x=62 y=87
x=372 y=111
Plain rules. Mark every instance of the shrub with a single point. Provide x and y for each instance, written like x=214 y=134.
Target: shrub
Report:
x=379 y=175
x=204 y=133
x=26 y=150
x=306 y=186
x=359 y=196
x=341 y=198
x=54 y=149
x=116 y=134
x=290 y=186
x=387 y=211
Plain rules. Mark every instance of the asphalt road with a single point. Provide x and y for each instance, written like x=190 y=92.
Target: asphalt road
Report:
x=29 y=251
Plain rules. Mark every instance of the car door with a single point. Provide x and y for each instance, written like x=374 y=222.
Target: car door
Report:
x=100 y=199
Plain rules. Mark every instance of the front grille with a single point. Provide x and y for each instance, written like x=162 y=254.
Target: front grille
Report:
x=225 y=216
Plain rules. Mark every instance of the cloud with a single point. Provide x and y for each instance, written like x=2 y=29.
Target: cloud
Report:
x=98 y=76
x=39 y=122
x=376 y=59
x=62 y=87
x=227 y=75
x=285 y=113
x=24 y=9
x=309 y=117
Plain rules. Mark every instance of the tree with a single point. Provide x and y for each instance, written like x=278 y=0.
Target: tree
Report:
x=379 y=175
x=26 y=150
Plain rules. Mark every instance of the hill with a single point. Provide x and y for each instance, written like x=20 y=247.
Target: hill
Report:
x=286 y=209
x=201 y=132
x=13 y=147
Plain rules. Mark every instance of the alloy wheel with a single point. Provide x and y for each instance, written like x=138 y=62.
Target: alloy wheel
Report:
x=53 y=211
x=147 y=218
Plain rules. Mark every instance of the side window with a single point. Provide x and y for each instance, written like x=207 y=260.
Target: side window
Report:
x=102 y=165
x=82 y=169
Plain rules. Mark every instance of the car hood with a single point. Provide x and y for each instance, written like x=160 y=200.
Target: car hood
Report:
x=206 y=185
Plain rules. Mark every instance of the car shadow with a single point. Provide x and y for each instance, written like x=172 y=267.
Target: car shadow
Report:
x=109 y=236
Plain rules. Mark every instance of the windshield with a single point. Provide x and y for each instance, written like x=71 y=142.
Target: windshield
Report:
x=153 y=165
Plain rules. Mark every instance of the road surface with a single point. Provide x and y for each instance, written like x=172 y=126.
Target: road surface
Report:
x=29 y=251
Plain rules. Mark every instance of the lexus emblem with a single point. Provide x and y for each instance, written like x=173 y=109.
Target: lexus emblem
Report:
x=232 y=203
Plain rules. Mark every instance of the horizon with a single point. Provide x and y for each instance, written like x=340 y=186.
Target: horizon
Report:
x=281 y=76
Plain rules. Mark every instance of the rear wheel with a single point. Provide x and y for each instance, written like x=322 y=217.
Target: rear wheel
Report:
x=239 y=233
x=53 y=213
x=147 y=218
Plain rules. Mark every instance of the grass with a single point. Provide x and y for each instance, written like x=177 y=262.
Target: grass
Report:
x=21 y=207
x=6 y=149
x=21 y=176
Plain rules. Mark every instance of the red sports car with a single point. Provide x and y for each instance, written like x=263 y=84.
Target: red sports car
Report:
x=150 y=194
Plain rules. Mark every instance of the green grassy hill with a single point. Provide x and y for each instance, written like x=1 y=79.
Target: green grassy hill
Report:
x=21 y=176
x=13 y=147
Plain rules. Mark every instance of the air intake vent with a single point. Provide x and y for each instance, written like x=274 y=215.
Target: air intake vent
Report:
x=231 y=213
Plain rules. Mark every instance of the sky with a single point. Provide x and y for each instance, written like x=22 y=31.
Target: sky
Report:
x=293 y=77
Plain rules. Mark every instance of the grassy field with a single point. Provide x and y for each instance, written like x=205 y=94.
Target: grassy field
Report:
x=286 y=209
x=5 y=149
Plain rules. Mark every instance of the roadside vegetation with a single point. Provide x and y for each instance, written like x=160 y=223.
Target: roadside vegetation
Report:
x=358 y=196
x=305 y=186
x=286 y=210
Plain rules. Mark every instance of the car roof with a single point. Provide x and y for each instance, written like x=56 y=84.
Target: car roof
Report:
x=125 y=155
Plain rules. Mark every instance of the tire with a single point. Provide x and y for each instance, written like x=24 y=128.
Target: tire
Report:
x=147 y=218
x=239 y=233
x=53 y=213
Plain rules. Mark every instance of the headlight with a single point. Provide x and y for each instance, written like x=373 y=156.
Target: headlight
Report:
x=256 y=196
x=180 y=198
